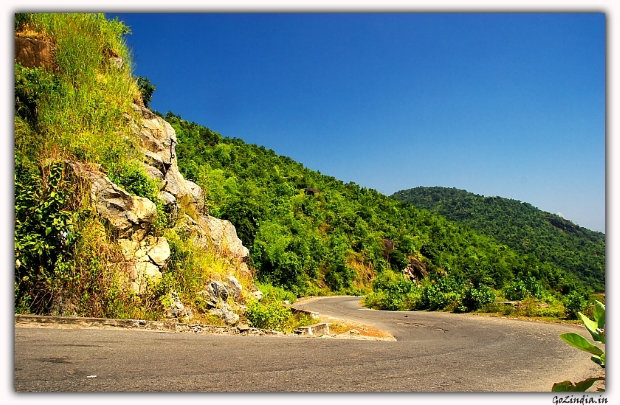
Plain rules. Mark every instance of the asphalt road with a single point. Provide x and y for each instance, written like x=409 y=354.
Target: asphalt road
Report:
x=434 y=352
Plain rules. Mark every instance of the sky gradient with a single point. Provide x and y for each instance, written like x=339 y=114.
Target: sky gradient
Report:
x=511 y=105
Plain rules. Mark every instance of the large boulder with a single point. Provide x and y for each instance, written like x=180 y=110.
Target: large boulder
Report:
x=224 y=237
x=130 y=215
x=144 y=260
x=234 y=287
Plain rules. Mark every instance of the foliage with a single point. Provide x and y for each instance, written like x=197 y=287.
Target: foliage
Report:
x=270 y=312
x=520 y=289
x=66 y=260
x=559 y=245
x=312 y=233
x=473 y=298
x=45 y=232
x=574 y=302
x=596 y=328
x=269 y=315
x=146 y=89
x=394 y=292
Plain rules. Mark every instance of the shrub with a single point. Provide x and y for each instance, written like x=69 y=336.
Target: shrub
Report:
x=475 y=298
x=574 y=303
x=270 y=315
x=596 y=328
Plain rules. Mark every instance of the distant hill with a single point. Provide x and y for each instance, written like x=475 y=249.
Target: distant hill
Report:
x=521 y=226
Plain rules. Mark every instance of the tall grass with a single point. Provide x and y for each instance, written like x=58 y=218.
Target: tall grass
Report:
x=84 y=115
x=80 y=110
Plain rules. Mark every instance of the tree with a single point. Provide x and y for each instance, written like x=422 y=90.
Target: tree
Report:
x=146 y=89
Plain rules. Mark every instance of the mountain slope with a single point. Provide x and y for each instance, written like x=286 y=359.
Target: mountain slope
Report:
x=313 y=233
x=526 y=229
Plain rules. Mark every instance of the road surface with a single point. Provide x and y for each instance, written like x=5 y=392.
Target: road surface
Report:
x=434 y=352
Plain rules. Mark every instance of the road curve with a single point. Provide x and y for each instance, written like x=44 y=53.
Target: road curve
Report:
x=434 y=352
x=506 y=354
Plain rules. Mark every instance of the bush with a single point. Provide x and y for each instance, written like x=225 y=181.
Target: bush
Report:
x=574 y=303
x=270 y=315
x=520 y=289
x=440 y=294
x=393 y=292
x=475 y=298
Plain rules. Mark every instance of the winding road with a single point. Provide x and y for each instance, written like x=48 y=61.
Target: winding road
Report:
x=433 y=352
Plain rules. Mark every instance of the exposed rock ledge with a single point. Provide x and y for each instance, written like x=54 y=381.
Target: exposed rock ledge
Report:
x=145 y=256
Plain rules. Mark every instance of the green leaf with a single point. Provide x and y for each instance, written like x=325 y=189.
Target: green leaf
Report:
x=600 y=360
x=599 y=314
x=581 y=343
x=581 y=386
x=591 y=327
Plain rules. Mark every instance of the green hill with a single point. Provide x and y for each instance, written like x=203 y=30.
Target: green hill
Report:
x=314 y=234
x=521 y=226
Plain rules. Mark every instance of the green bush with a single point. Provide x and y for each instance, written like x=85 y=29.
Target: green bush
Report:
x=393 y=292
x=45 y=233
x=271 y=315
x=520 y=289
x=473 y=298
x=146 y=89
x=574 y=303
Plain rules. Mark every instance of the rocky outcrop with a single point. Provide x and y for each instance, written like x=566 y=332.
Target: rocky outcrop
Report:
x=33 y=52
x=145 y=256
x=216 y=295
x=129 y=215
x=159 y=142
x=145 y=260
x=415 y=270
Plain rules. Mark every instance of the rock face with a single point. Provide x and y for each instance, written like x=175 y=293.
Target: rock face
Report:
x=146 y=256
x=130 y=215
x=145 y=260
x=415 y=270
x=34 y=52
x=159 y=142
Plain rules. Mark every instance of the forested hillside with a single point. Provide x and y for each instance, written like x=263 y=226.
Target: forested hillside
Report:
x=314 y=234
x=526 y=229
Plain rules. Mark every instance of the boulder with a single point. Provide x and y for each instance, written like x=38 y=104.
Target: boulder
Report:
x=177 y=309
x=234 y=287
x=415 y=270
x=144 y=260
x=226 y=313
x=224 y=236
x=143 y=275
x=127 y=213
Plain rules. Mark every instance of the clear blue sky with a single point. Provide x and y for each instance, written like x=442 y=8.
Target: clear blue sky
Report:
x=496 y=104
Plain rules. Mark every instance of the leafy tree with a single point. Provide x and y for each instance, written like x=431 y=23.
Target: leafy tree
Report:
x=146 y=89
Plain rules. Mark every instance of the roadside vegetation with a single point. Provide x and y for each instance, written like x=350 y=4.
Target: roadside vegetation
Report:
x=79 y=109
